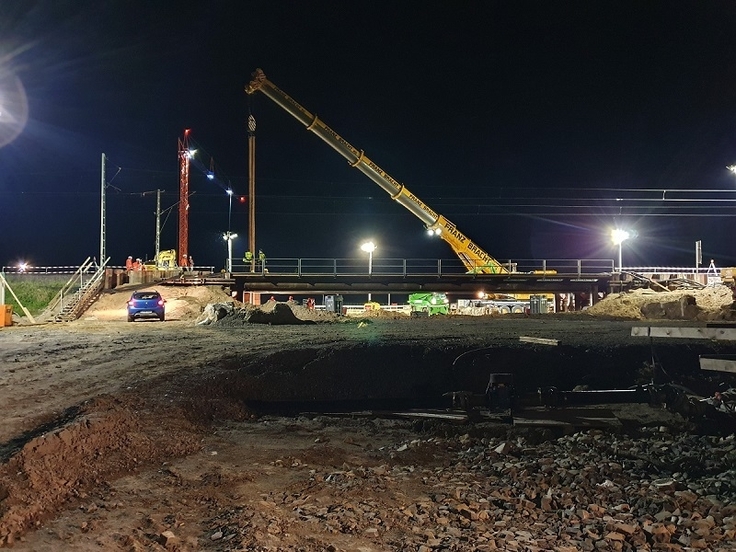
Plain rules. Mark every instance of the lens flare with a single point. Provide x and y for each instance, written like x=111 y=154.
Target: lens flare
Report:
x=13 y=107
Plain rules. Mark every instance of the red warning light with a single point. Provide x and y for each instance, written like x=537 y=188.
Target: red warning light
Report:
x=242 y=199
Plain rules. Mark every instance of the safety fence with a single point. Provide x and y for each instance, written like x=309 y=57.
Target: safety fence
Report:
x=394 y=267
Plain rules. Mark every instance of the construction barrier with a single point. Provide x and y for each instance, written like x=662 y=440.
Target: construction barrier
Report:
x=6 y=315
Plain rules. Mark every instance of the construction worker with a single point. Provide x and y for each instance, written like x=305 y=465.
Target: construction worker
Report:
x=191 y=263
x=184 y=262
x=262 y=260
x=129 y=263
x=136 y=265
x=248 y=257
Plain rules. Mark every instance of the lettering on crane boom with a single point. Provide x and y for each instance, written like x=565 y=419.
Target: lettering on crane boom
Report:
x=454 y=232
x=418 y=201
x=482 y=255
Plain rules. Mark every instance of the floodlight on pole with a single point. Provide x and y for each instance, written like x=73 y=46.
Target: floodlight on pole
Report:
x=229 y=192
x=229 y=237
x=369 y=247
x=732 y=168
x=619 y=236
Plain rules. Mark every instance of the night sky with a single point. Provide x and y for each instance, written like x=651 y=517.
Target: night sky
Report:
x=535 y=126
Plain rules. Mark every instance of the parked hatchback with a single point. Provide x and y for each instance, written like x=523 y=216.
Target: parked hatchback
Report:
x=146 y=304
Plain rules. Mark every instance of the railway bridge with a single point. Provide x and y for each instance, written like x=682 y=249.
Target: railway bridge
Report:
x=589 y=278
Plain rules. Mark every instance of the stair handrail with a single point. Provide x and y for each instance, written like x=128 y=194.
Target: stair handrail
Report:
x=58 y=299
x=93 y=285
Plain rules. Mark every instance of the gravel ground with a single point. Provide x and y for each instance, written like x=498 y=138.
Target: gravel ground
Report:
x=146 y=436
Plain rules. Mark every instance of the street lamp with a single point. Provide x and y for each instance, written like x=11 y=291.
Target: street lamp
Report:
x=229 y=192
x=229 y=237
x=369 y=247
x=619 y=236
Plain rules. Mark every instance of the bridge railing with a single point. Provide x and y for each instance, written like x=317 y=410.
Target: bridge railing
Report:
x=396 y=267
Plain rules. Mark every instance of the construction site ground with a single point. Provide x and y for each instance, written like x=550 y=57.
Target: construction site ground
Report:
x=291 y=430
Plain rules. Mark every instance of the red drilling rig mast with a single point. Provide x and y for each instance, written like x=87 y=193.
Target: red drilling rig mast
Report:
x=184 y=157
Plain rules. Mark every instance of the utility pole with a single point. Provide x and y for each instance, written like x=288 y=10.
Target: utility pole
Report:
x=103 y=221
x=252 y=190
x=158 y=223
x=158 y=220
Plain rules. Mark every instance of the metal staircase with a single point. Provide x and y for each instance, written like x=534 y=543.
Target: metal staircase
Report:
x=78 y=293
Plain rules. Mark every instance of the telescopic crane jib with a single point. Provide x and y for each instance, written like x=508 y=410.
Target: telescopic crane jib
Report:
x=473 y=257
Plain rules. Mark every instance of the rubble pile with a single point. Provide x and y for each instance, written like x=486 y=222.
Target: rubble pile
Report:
x=228 y=314
x=707 y=304
x=585 y=491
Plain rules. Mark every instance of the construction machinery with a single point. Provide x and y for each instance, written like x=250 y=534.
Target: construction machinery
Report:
x=472 y=256
x=165 y=260
x=428 y=304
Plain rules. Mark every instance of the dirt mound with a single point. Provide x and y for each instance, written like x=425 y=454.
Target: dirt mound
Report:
x=711 y=303
x=182 y=302
x=383 y=314
x=105 y=440
x=273 y=313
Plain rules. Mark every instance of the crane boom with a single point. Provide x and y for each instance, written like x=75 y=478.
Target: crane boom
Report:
x=472 y=256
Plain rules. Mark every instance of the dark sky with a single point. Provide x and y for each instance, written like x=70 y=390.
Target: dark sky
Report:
x=535 y=126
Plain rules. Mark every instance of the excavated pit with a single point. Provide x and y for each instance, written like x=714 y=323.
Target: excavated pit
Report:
x=382 y=377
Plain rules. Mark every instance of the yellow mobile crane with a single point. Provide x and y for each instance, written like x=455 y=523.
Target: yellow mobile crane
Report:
x=472 y=256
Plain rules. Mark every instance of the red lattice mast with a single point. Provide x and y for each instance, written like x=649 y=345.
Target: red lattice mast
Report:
x=184 y=156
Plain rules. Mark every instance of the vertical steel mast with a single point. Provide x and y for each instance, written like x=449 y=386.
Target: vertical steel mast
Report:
x=252 y=190
x=184 y=157
x=103 y=215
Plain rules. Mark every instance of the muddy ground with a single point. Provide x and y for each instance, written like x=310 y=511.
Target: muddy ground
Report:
x=186 y=436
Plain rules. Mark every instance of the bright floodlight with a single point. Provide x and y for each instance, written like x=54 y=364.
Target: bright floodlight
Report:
x=732 y=168
x=229 y=192
x=210 y=176
x=368 y=247
x=619 y=236
x=191 y=153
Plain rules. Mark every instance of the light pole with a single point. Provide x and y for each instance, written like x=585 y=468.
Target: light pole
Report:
x=229 y=237
x=229 y=207
x=619 y=236
x=369 y=247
